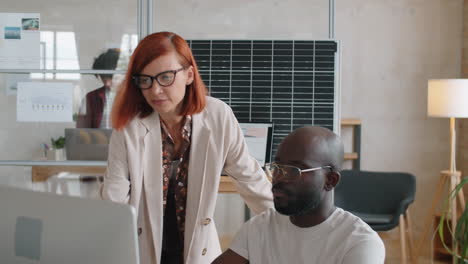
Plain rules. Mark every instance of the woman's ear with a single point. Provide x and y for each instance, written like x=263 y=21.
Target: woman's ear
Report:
x=190 y=75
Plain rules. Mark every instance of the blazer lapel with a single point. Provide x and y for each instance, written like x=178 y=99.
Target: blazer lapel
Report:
x=196 y=179
x=153 y=179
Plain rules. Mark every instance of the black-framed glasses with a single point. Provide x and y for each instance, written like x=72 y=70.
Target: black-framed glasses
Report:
x=289 y=172
x=165 y=78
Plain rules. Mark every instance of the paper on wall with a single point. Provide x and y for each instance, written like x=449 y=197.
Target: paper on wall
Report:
x=44 y=102
x=19 y=41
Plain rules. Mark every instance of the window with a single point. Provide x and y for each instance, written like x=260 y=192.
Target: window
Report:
x=127 y=46
x=58 y=52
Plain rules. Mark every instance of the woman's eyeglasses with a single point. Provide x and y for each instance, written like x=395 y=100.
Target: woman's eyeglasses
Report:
x=291 y=173
x=164 y=79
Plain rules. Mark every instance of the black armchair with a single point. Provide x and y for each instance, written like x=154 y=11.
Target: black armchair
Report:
x=380 y=199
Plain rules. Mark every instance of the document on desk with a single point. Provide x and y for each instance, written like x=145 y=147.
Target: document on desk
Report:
x=44 y=102
x=19 y=40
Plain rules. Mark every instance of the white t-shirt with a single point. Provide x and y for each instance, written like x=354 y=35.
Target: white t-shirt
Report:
x=343 y=238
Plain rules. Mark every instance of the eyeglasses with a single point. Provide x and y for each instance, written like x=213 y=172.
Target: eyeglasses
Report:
x=291 y=173
x=164 y=79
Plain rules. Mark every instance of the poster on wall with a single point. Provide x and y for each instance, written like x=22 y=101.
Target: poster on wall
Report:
x=44 y=102
x=20 y=40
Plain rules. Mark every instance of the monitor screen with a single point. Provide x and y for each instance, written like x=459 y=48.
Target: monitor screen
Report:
x=258 y=137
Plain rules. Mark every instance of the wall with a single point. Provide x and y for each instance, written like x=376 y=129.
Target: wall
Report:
x=389 y=51
x=462 y=124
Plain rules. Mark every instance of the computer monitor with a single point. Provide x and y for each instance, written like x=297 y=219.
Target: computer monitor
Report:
x=87 y=143
x=40 y=227
x=258 y=137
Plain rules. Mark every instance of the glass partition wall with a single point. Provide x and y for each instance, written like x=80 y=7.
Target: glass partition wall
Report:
x=82 y=43
x=74 y=34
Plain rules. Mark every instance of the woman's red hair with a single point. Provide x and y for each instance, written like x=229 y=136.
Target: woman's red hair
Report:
x=130 y=102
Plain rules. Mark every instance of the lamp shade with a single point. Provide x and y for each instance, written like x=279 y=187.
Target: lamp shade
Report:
x=447 y=98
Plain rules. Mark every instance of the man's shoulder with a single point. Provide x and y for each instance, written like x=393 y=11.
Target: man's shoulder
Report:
x=355 y=228
x=267 y=218
x=96 y=92
x=261 y=227
x=349 y=220
x=359 y=239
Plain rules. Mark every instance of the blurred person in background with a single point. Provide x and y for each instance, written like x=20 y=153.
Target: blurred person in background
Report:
x=96 y=107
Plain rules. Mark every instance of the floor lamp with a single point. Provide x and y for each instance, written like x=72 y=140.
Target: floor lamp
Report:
x=446 y=98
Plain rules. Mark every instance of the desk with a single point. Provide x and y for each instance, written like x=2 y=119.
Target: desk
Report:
x=41 y=170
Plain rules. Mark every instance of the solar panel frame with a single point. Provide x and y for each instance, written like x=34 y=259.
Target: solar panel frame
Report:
x=290 y=83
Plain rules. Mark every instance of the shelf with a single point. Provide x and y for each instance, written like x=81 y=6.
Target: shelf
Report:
x=350 y=122
x=440 y=252
x=355 y=154
x=84 y=163
x=351 y=156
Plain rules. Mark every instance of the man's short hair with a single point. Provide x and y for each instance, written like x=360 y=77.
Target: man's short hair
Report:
x=106 y=61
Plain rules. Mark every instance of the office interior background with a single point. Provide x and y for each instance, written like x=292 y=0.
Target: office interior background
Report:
x=388 y=51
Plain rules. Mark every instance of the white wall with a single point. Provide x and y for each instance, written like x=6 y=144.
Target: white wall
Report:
x=389 y=51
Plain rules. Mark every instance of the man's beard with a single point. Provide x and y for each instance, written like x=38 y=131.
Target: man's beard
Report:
x=302 y=204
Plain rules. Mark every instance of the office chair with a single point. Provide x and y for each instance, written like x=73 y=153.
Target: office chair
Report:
x=380 y=199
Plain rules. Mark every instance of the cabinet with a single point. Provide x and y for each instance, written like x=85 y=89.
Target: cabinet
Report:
x=355 y=154
x=439 y=252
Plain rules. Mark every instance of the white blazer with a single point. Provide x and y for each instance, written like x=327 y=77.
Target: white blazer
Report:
x=134 y=176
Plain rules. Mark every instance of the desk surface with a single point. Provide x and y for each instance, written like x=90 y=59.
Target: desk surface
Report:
x=43 y=169
x=85 y=163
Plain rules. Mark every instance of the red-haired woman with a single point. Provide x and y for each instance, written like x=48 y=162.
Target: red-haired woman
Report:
x=169 y=146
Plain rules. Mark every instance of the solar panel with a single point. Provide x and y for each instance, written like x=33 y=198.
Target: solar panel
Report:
x=290 y=83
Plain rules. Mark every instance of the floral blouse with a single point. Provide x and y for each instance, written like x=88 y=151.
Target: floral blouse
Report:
x=168 y=154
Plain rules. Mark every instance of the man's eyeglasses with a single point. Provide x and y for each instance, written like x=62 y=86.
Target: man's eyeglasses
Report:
x=164 y=79
x=289 y=172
